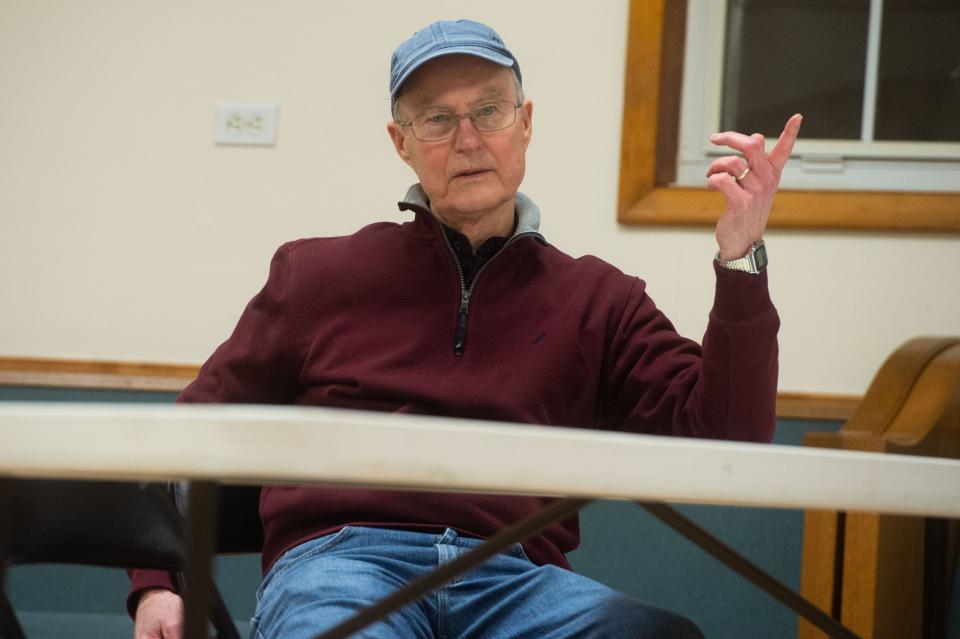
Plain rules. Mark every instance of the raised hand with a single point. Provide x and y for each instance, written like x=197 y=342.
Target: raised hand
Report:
x=748 y=184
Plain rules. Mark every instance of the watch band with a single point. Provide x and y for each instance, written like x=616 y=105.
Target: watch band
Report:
x=754 y=262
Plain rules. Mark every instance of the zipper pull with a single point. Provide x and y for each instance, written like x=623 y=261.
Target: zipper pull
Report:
x=460 y=337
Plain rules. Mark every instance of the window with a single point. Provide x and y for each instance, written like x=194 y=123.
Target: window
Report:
x=878 y=82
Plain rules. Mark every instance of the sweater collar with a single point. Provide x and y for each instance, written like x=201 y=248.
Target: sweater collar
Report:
x=528 y=214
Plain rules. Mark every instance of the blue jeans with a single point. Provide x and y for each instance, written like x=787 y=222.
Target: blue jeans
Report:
x=318 y=584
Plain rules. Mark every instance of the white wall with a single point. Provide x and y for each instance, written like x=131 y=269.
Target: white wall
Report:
x=126 y=234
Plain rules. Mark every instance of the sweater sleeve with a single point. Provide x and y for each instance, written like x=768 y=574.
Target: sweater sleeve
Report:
x=254 y=366
x=661 y=383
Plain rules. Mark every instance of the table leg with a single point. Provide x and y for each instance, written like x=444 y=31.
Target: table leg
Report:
x=201 y=535
x=748 y=570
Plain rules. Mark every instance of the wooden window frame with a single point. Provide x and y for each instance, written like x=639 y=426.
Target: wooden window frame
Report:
x=651 y=105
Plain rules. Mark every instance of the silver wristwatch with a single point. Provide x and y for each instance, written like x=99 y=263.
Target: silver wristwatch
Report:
x=753 y=262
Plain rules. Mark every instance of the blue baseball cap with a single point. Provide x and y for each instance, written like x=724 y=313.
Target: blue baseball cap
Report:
x=448 y=37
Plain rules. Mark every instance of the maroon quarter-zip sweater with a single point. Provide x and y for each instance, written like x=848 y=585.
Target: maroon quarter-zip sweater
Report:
x=381 y=320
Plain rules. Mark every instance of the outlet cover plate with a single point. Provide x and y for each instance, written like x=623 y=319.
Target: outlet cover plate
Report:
x=246 y=123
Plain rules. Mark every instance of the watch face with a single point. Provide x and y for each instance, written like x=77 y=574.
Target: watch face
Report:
x=760 y=257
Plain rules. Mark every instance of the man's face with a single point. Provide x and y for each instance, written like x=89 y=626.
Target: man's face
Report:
x=472 y=173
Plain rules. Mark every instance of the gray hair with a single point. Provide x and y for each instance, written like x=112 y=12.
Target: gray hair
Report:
x=395 y=101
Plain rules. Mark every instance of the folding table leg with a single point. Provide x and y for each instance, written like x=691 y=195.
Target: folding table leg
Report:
x=5 y=488
x=748 y=570
x=936 y=572
x=9 y=626
x=202 y=510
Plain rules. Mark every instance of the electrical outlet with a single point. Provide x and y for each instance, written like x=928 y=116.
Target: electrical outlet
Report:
x=246 y=123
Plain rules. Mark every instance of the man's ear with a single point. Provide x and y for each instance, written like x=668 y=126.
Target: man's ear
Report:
x=399 y=140
x=526 y=119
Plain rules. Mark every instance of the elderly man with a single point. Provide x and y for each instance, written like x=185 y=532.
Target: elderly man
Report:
x=467 y=311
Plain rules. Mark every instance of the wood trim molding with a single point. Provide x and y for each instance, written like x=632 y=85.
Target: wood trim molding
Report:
x=818 y=406
x=643 y=201
x=144 y=376
x=95 y=374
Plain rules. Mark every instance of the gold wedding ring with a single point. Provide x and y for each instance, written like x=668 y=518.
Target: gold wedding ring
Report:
x=745 y=173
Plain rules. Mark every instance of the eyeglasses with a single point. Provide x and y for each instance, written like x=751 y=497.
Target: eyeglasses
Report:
x=486 y=118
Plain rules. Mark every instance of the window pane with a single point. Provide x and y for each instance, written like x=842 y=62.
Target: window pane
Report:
x=789 y=56
x=918 y=89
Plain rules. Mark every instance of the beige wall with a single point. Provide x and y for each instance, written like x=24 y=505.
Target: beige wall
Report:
x=126 y=234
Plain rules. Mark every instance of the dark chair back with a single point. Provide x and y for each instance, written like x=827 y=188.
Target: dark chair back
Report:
x=122 y=525
x=98 y=523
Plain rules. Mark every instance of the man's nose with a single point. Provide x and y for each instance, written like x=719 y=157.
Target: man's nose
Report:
x=466 y=136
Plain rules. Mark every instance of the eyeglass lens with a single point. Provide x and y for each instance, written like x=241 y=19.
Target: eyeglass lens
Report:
x=490 y=116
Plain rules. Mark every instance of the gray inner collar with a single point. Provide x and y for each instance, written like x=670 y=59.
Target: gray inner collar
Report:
x=528 y=214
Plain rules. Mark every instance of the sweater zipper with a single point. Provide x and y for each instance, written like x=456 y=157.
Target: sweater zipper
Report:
x=460 y=335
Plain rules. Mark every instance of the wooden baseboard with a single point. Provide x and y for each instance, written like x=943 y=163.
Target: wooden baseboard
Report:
x=95 y=374
x=819 y=406
x=145 y=376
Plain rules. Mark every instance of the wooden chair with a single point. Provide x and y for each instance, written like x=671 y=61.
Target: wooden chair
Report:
x=882 y=575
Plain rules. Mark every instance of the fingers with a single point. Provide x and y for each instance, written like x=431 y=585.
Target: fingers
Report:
x=732 y=164
x=727 y=184
x=781 y=152
x=750 y=145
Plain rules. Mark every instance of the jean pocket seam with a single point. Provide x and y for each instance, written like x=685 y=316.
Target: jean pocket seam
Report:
x=329 y=542
x=520 y=552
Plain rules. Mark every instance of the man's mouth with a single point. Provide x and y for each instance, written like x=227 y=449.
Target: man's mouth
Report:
x=470 y=173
